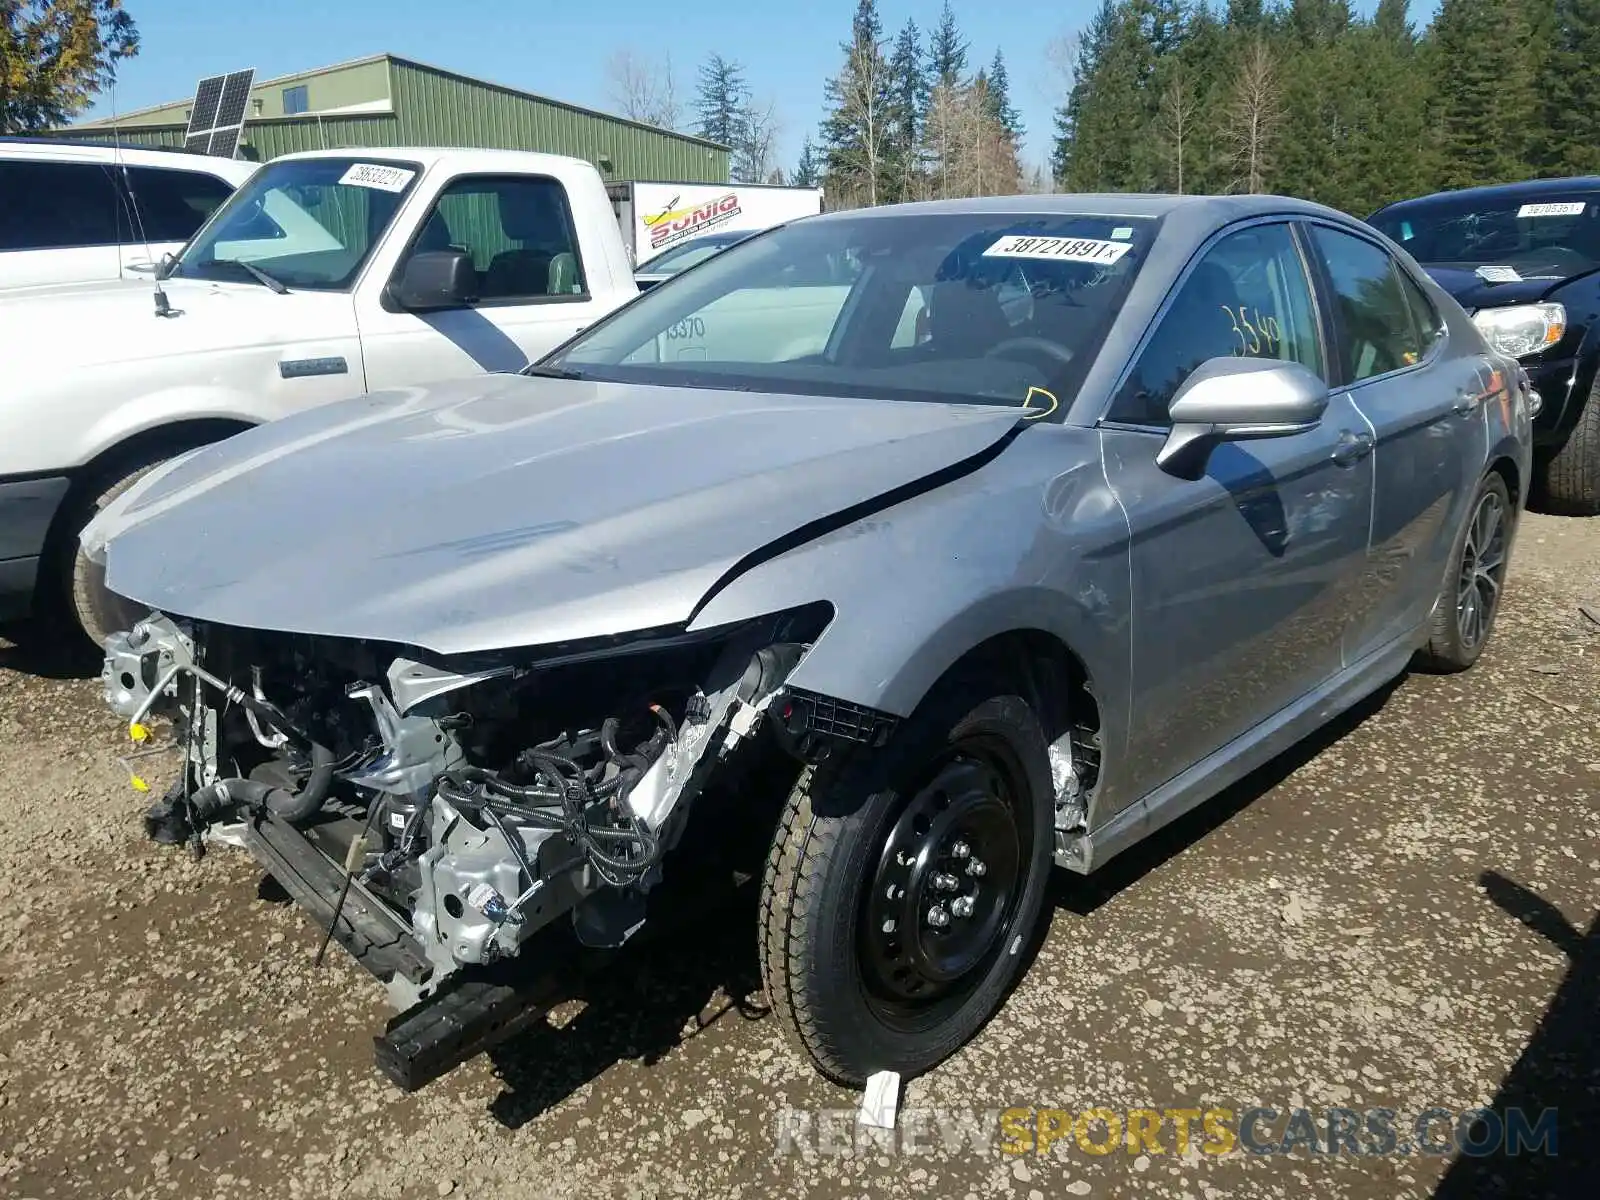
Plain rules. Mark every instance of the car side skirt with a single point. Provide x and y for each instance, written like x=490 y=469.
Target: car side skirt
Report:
x=1084 y=852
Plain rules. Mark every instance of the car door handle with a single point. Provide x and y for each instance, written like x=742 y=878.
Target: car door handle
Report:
x=1466 y=401
x=1352 y=447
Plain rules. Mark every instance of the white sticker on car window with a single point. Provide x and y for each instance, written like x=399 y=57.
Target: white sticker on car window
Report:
x=376 y=175
x=1060 y=249
x=1499 y=275
x=1572 y=208
x=1122 y=232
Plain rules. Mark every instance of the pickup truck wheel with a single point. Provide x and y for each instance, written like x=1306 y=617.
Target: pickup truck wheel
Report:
x=1469 y=599
x=904 y=886
x=96 y=611
x=1571 y=476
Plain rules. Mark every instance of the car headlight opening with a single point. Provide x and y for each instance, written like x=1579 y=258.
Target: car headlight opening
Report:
x=1522 y=329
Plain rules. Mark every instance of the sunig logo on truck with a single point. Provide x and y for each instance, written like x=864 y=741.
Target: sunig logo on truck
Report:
x=674 y=224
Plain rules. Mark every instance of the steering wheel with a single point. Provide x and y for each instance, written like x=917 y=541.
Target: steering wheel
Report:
x=1053 y=350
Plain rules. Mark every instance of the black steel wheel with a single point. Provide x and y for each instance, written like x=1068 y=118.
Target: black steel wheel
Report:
x=947 y=885
x=904 y=885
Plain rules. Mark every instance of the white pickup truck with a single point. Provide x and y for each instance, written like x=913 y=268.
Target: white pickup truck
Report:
x=327 y=275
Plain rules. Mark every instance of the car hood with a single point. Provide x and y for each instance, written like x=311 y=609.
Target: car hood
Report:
x=1472 y=291
x=514 y=511
x=88 y=325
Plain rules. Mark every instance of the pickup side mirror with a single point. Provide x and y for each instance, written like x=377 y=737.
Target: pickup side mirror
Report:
x=1230 y=399
x=436 y=279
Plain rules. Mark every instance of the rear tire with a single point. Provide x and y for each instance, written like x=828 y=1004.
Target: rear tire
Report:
x=954 y=814
x=1571 y=477
x=1469 y=597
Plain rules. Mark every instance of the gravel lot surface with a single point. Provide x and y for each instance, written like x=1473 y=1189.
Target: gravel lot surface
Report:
x=1402 y=915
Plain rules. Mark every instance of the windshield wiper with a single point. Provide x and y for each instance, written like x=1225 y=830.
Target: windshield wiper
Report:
x=260 y=275
x=550 y=372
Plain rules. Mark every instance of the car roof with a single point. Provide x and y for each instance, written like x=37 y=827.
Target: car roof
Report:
x=428 y=156
x=234 y=170
x=1221 y=209
x=1498 y=192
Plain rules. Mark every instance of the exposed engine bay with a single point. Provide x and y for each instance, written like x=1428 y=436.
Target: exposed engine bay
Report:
x=470 y=806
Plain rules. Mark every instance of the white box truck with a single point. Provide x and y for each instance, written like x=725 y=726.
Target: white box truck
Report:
x=655 y=216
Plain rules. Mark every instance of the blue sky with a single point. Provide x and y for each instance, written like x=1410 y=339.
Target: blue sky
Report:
x=560 y=49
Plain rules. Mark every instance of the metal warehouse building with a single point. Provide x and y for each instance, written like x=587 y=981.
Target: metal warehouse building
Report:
x=386 y=100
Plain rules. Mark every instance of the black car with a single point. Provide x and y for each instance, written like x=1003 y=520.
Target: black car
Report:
x=1524 y=260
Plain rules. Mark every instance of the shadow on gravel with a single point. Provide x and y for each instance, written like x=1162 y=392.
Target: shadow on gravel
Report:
x=35 y=650
x=679 y=975
x=643 y=1009
x=1560 y=1069
x=1084 y=894
x=674 y=987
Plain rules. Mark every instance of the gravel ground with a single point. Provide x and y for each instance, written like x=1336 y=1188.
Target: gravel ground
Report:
x=1402 y=915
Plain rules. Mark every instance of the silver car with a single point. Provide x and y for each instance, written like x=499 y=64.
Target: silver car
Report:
x=1015 y=527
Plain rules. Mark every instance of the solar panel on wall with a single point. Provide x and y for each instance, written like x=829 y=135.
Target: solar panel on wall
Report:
x=216 y=122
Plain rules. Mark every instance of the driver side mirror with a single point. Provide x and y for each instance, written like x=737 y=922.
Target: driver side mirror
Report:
x=1231 y=399
x=436 y=279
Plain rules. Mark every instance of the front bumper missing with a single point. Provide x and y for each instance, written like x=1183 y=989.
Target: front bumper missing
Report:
x=366 y=928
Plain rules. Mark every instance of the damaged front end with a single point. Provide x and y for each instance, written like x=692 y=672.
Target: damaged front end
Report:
x=439 y=818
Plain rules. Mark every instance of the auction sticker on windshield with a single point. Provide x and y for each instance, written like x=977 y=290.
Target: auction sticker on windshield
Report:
x=375 y=175
x=1059 y=249
x=1564 y=209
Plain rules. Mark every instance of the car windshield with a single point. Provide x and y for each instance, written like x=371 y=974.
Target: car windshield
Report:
x=681 y=258
x=1544 y=236
x=980 y=308
x=307 y=223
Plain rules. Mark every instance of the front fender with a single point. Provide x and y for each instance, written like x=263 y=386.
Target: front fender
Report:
x=1033 y=541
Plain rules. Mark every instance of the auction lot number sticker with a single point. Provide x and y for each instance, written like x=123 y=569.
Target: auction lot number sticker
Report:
x=376 y=175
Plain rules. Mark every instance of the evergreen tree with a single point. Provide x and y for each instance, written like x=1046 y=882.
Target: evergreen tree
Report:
x=722 y=101
x=947 y=52
x=1092 y=49
x=858 y=132
x=1001 y=108
x=805 y=171
x=1482 y=117
x=908 y=82
x=1571 y=91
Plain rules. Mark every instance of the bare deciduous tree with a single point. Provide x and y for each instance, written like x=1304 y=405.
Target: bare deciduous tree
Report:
x=861 y=97
x=643 y=88
x=758 y=151
x=1255 y=112
x=1179 y=106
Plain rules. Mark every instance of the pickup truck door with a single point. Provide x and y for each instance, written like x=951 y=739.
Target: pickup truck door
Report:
x=535 y=288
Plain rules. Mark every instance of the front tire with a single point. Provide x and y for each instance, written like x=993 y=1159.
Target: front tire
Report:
x=1469 y=599
x=1571 y=477
x=904 y=886
x=90 y=609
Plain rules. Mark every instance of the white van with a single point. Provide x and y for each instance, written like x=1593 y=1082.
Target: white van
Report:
x=83 y=212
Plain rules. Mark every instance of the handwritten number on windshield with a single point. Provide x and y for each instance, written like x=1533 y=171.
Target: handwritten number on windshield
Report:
x=1254 y=331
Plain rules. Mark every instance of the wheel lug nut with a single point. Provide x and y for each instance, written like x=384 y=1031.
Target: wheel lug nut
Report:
x=937 y=917
x=975 y=866
x=945 y=883
x=962 y=906
x=961 y=850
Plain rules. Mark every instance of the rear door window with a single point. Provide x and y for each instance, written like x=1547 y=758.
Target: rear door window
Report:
x=1376 y=332
x=58 y=206
x=171 y=205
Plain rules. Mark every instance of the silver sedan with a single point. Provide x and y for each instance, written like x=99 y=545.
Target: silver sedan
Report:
x=1014 y=527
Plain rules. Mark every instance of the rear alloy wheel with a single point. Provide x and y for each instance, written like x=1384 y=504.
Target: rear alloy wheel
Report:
x=905 y=885
x=1463 y=617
